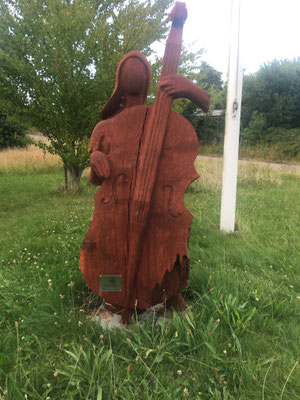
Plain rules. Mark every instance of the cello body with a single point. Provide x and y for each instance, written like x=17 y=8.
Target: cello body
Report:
x=135 y=253
x=162 y=260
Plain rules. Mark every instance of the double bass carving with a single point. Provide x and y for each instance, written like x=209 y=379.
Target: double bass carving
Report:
x=135 y=253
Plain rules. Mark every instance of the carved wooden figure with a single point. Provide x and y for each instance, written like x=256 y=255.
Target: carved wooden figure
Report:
x=135 y=253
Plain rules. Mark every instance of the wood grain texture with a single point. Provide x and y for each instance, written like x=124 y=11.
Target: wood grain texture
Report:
x=163 y=264
x=144 y=159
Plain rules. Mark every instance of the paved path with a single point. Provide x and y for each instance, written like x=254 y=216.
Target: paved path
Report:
x=293 y=167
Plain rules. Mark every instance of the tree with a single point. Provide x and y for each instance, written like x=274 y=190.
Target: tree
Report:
x=271 y=99
x=58 y=61
x=12 y=133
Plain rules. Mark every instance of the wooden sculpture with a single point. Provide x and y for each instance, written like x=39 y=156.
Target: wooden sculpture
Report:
x=135 y=253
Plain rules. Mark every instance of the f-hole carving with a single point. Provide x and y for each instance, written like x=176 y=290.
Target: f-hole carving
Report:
x=120 y=178
x=168 y=201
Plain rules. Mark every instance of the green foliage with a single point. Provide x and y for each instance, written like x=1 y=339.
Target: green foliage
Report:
x=285 y=141
x=58 y=60
x=288 y=140
x=12 y=133
x=271 y=98
x=240 y=341
x=256 y=130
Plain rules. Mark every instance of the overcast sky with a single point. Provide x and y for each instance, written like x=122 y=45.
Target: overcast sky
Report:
x=269 y=29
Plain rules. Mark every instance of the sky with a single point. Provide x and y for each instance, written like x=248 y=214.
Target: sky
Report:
x=270 y=29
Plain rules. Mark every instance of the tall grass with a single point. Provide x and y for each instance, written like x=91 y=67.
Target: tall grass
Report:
x=30 y=159
x=260 y=152
x=240 y=340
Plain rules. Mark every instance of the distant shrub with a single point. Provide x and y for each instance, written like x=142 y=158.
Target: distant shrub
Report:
x=288 y=140
x=12 y=133
x=256 y=130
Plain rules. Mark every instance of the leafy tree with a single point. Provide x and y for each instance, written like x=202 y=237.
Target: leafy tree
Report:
x=12 y=133
x=271 y=98
x=58 y=61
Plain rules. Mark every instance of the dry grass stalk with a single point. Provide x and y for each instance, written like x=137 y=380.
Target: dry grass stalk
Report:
x=210 y=172
x=30 y=159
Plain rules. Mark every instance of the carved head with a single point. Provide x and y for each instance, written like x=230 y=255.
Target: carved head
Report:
x=133 y=77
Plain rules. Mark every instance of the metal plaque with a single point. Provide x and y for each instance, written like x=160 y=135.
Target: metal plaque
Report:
x=110 y=283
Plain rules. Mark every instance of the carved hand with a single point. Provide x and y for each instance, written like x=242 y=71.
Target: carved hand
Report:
x=178 y=86
x=100 y=168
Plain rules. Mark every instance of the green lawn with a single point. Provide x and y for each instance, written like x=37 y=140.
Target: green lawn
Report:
x=241 y=341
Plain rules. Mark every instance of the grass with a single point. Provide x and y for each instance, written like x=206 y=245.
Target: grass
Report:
x=27 y=160
x=241 y=341
x=269 y=153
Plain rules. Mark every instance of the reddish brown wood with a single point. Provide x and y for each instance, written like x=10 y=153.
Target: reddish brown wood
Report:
x=144 y=159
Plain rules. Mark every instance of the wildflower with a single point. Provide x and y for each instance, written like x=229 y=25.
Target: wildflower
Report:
x=291 y=286
x=176 y=334
x=137 y=358
x=257 y=298
x=179 y=372
x=62 y=296
x=129 y=368
x=79 y=323
x=217 y=320
x=128 y=340
x=71 y=284
x=101 y=337
x=298 y=297
x=186 y=392
x=55 y=373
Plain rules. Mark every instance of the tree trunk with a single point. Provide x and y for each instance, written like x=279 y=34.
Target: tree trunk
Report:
x=75 y=175
x=66 y=178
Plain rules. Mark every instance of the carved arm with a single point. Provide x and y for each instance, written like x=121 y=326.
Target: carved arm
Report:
x=178 y=86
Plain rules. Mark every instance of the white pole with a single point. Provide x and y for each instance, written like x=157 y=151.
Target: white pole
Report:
x=232 y=124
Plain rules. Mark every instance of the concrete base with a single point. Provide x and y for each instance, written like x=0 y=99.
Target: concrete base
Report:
x=109 y=320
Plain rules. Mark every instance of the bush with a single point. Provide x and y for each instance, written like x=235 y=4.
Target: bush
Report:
x=210 y=131
x=288 y=140
x=256 y=130
x=12 y=133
